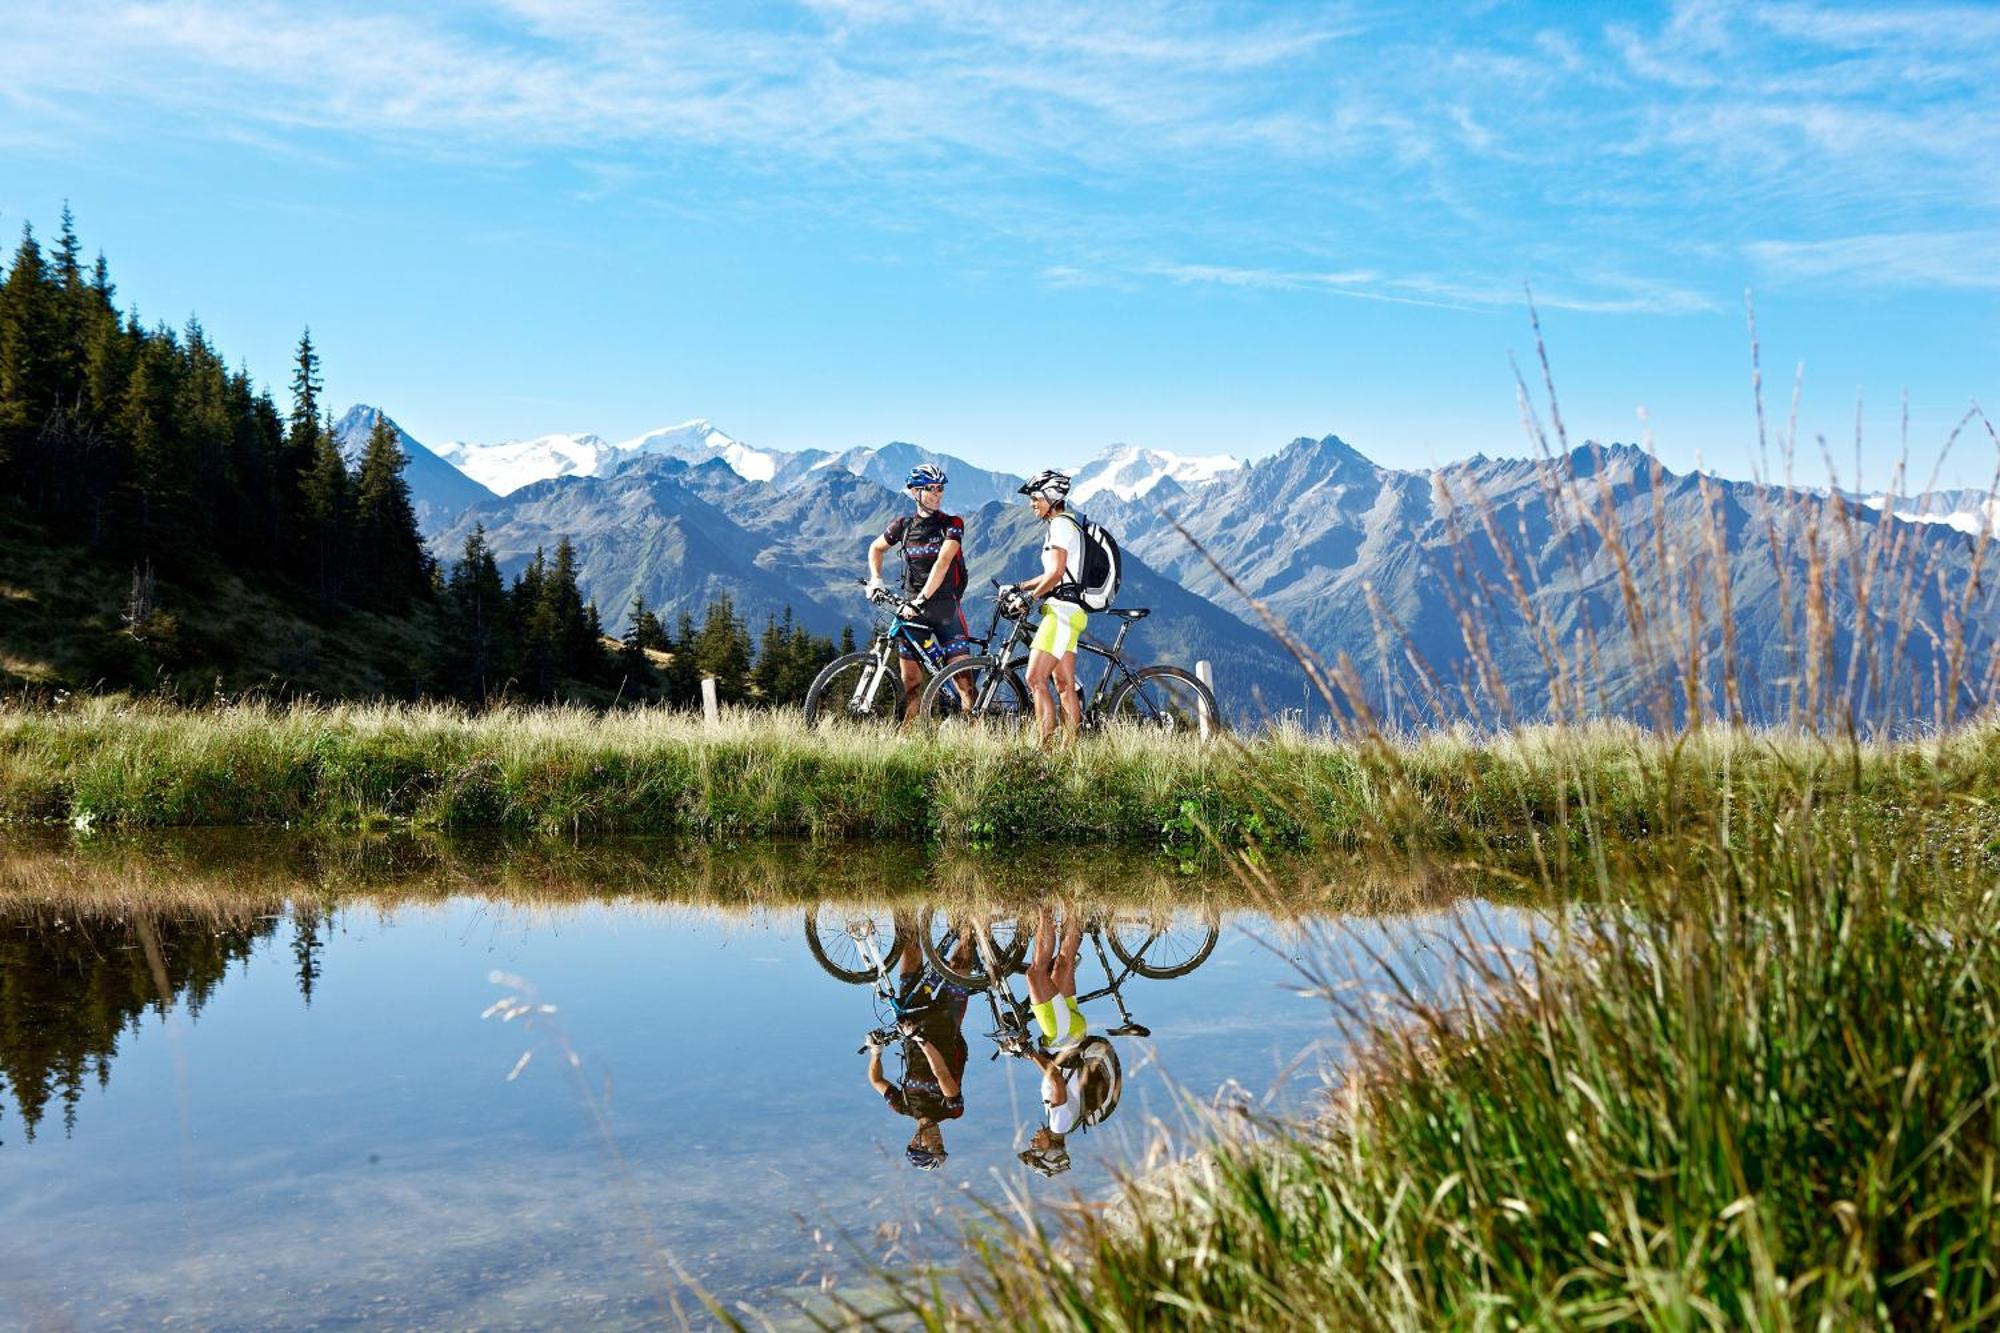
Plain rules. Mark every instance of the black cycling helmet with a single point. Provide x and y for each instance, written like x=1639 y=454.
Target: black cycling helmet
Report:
x=1049 y=485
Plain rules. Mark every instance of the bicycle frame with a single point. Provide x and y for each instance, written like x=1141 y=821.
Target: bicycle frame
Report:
x=882 y=646
x=886 y=997
x=1115 y=669
x=1115 y=979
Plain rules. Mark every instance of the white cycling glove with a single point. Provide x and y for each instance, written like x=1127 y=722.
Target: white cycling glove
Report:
x=876 y=587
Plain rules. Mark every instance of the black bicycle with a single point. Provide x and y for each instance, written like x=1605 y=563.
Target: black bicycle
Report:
x=990 y=688
x=1157 y=943
x=865 y=688
x=861 y=944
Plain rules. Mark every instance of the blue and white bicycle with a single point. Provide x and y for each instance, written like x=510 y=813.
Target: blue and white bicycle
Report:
x=865 y=688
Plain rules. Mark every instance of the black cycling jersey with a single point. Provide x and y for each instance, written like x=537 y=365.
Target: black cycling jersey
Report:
x=922 y=537
x=920 y=1096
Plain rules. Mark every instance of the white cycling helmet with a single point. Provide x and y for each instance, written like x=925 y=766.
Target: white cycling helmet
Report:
x=1049 y=485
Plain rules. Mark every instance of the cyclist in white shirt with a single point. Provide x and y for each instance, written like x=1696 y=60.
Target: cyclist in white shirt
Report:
x=1053 y=656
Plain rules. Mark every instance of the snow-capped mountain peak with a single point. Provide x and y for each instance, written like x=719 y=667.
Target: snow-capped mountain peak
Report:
x=1974 y=513
x=698 y=441
x=1129 y=471
x=697 y=436
x=512 y=464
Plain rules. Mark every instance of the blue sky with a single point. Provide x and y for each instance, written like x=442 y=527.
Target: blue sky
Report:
x=1021 y=231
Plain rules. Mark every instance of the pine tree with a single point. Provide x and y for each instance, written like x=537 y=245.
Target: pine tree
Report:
x=683 y=671
x=301 y=457
x=478 y=624
x=74 y=303
x=159 y=497
x=574 y=625
x=327 y=493
x=537 y=637
x=846 y=640
x=722 y=650
x=201 y=412
x=633 y=664
x=770 y=660
x=391 y=554
x=646 y=626
x=28 y=327
x=803 y=655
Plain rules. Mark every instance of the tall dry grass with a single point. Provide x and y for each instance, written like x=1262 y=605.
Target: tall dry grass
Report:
x=1745 y=1076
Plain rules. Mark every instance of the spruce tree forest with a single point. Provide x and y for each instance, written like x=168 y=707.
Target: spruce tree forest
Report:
x=167 y=526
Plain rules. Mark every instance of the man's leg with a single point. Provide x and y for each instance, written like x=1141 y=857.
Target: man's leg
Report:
x=910 y=958
x=963 y=684
x=913 y=687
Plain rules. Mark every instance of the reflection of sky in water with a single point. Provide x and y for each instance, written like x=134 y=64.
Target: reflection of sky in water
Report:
x=363 y=1160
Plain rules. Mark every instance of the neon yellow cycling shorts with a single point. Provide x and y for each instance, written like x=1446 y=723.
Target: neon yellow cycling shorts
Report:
x=1045 y=1019
x=1061 y=628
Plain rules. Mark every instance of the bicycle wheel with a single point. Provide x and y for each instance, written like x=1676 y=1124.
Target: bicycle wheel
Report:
x=998 y=699
x=1164 y=944
x=857 y=690
x=973 y=947
x=853 y=943
x=1167 y=699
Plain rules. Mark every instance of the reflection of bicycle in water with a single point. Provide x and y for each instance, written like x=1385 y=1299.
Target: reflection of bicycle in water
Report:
x=918 y=1011
x=1081 y=1078
x=1157 y=944
x=968 y=950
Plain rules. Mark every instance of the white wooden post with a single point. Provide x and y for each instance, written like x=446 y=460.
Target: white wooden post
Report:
x=1205 y=673
x=709 y=707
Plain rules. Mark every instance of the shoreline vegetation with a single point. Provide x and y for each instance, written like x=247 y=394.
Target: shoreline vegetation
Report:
x=1522 y=796
x=1745 y=1074
x=235 y=873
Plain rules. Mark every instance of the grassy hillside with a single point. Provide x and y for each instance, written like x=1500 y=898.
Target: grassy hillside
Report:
x=61 y=629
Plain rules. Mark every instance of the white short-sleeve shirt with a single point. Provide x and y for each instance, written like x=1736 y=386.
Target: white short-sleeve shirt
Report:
x=1063 y=533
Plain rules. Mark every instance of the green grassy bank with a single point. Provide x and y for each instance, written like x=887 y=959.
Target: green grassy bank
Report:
x=1764 y=1099
x=105 y=764
x=1748 y=1077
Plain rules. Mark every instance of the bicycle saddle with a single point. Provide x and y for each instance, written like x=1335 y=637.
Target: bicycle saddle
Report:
x=1130 y=613
x=1129 y=1030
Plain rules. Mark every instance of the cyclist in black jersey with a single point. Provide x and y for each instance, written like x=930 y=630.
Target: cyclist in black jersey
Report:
x=934 y=1050
x=933 y=576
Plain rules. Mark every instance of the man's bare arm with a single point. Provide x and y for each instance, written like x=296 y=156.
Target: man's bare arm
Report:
x=875 y=1076
x=940 y=1068
x=941 y=567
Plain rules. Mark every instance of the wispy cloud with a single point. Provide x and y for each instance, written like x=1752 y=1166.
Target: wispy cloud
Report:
x=1924 y=259
x=1423 y=147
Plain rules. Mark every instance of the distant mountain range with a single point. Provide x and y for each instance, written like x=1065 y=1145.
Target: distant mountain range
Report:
x=438 y=491
x=1489 y=590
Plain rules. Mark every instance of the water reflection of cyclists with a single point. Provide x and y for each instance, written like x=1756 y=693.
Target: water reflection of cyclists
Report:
x=1080 y=1074
x=933 y=1051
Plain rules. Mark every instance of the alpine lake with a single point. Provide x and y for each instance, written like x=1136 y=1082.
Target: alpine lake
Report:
x=253 y=1081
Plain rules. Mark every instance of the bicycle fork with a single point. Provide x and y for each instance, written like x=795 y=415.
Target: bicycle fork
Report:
x=1129 y=1026
x=870 y=682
